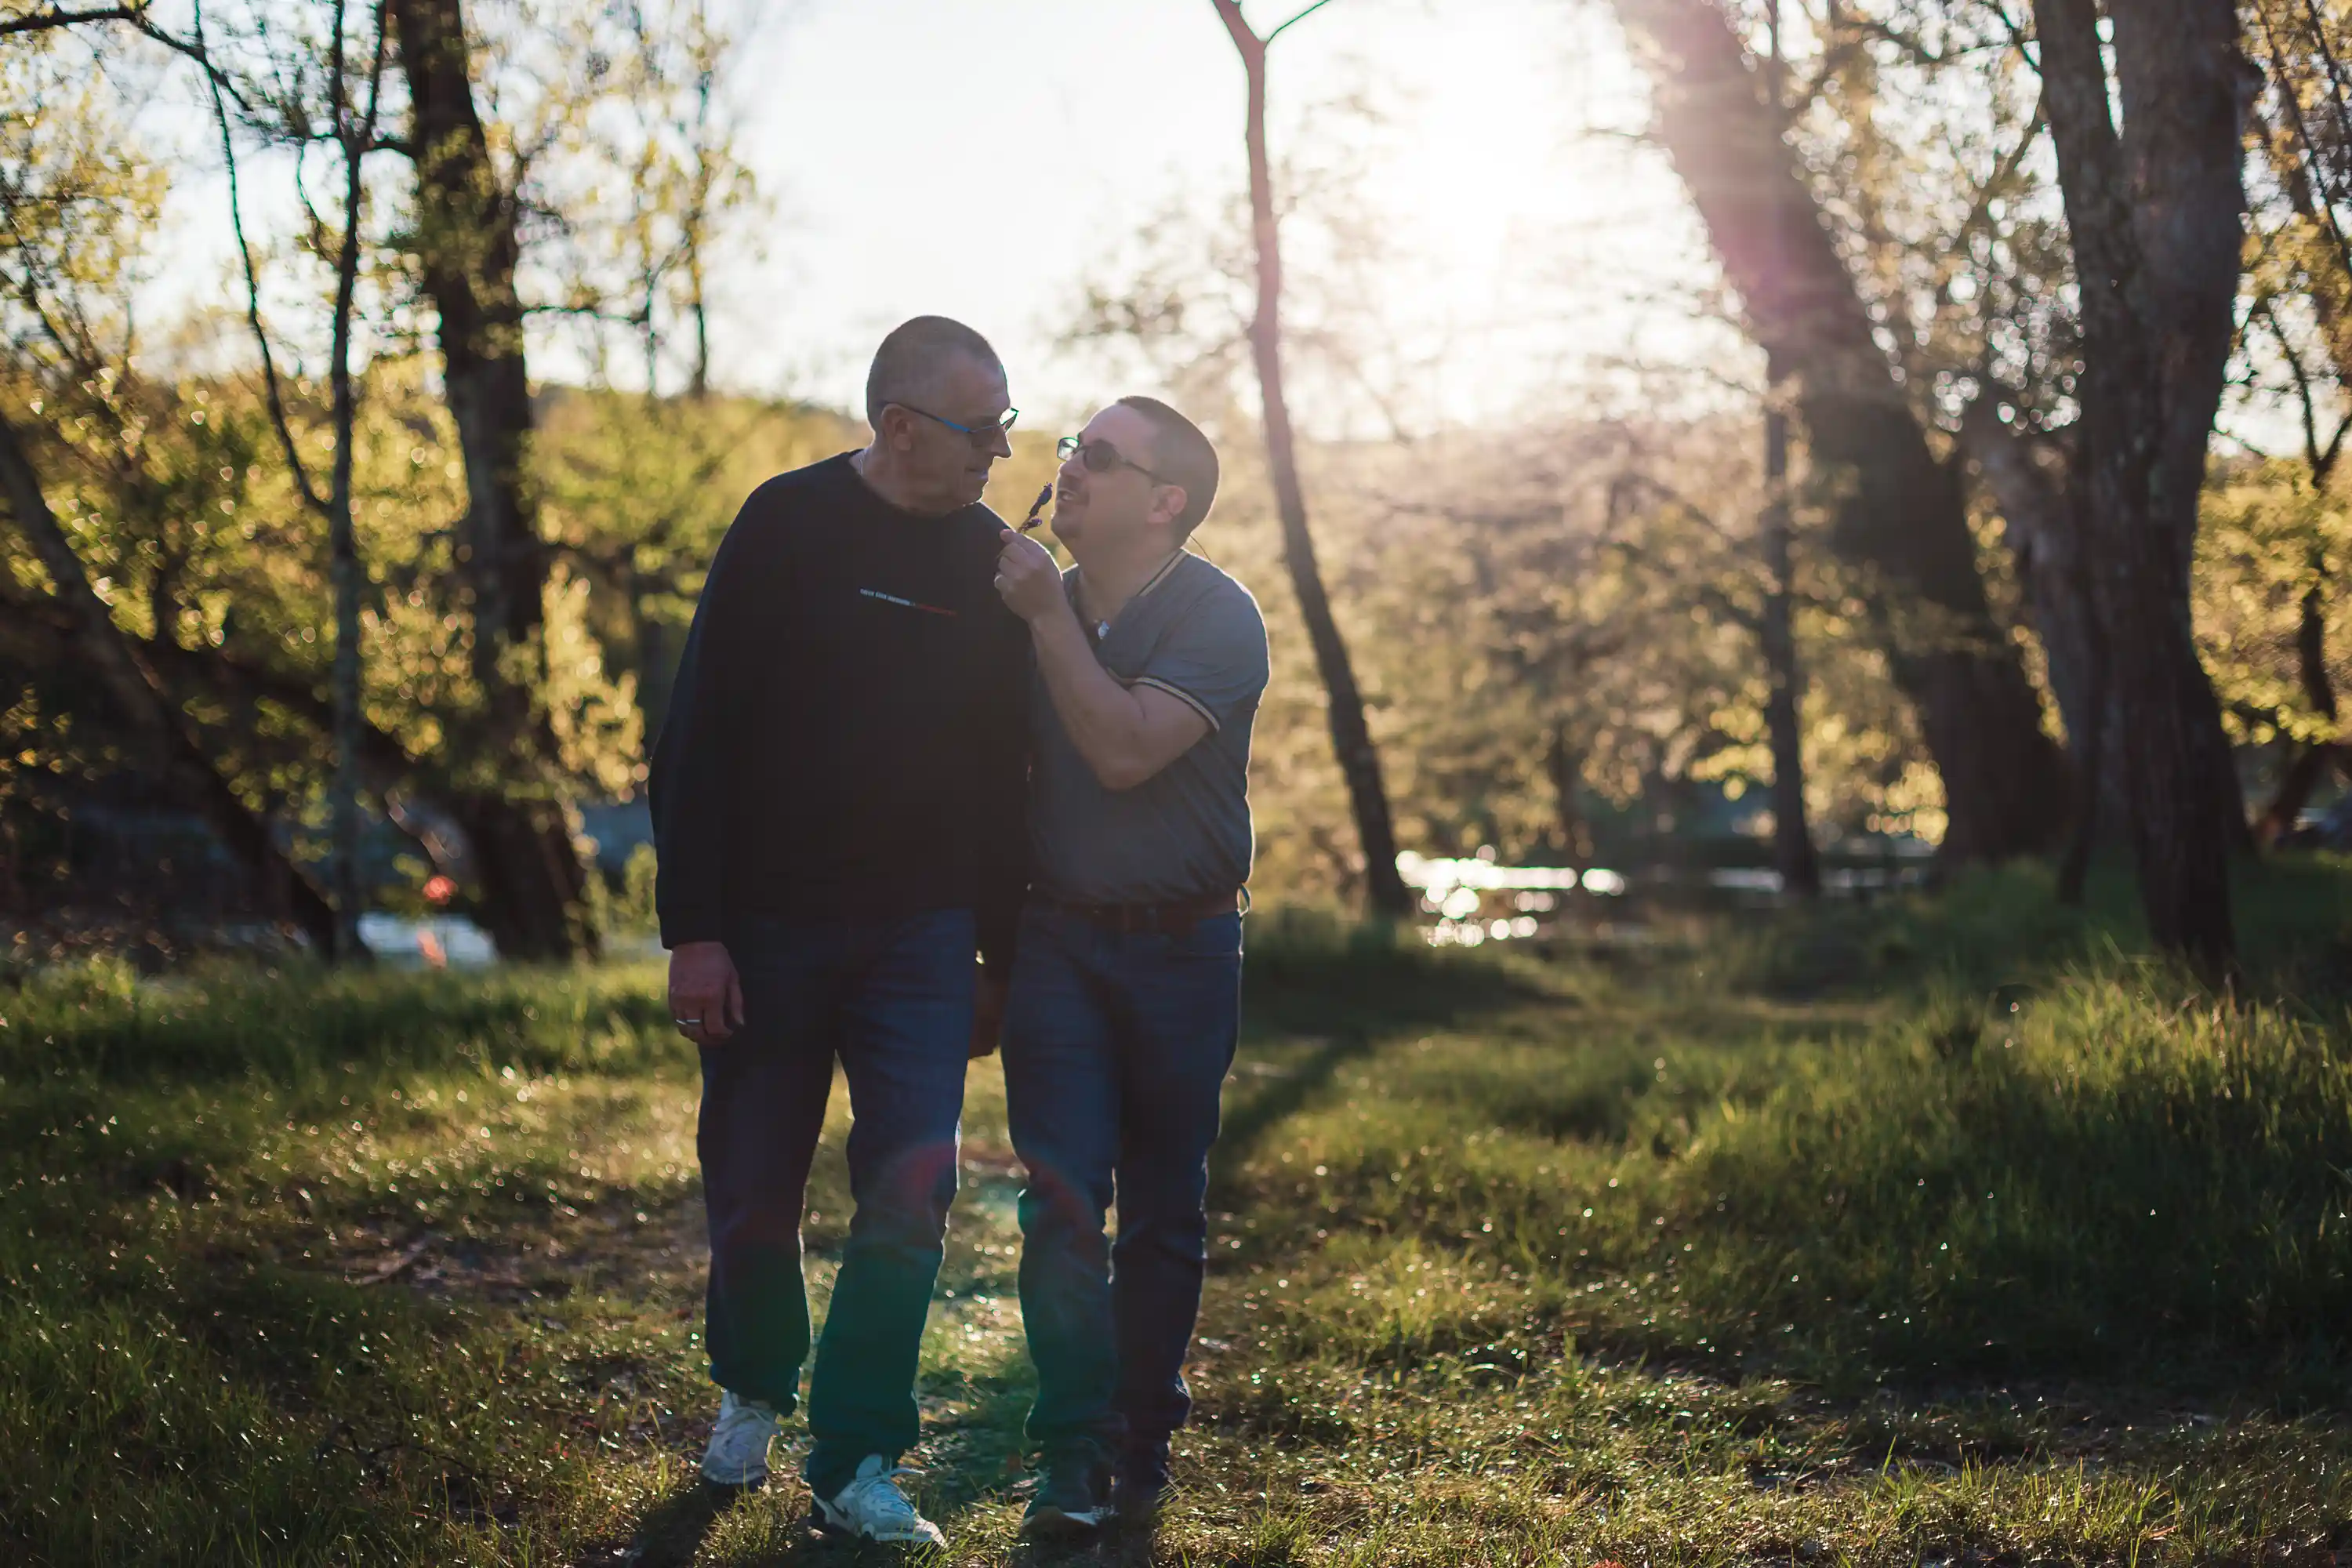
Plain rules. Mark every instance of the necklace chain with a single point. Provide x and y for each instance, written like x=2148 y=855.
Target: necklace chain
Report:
x=1102 y=627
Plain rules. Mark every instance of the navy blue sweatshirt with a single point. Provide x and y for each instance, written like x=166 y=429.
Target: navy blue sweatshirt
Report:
x=847 y=734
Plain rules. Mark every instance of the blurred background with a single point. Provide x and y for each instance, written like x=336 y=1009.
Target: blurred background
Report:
x=1669 y=438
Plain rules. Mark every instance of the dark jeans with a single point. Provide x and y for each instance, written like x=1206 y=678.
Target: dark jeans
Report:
x=893 y=999
x=1115 y=1048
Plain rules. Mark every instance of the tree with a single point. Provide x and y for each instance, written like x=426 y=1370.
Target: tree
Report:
x=76 y=201
x=353 y=114
x=2154 y=216
x=354 y=132
x=1775 y=634
x=1351 y=738
x=2302 y=310
x=1903 y=522
x=207 y=548
x=2276 y=534
x=142 y=699
x=636 y=487
x=468 y=245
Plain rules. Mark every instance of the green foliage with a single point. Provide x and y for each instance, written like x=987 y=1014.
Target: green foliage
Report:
x=200 y=544
x=1993 y=929
x=2271 y=540
x=232 y=1021
x=628 y=910
x=197 y=1385
x=81 y=200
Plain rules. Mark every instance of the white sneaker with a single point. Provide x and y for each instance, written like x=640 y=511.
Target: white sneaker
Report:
x=738 y=1455
x=872 y=1508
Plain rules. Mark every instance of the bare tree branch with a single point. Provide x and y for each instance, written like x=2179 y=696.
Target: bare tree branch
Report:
x=275 y=394
x=44 y=21
x=134 y=16
x=1294 y=21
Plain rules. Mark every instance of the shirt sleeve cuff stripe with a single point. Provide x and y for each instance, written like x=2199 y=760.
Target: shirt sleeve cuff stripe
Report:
x=1181 y=695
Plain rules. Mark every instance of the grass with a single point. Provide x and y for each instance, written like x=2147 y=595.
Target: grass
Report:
x=1946 y=1231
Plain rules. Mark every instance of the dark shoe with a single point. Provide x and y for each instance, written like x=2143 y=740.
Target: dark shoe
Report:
x=1142 y=1487
x=1073 y=1499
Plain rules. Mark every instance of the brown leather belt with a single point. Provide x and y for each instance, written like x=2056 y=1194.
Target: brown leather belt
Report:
x=1171 y=919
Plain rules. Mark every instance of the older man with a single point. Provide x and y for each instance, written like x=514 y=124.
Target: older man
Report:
x=837 y=803
x=1126 y=996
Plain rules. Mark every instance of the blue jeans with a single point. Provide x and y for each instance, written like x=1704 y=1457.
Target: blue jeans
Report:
x=892 y=997
x=1116 y=1048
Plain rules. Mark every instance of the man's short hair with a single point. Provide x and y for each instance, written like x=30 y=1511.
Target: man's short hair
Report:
x=1181 y=455
x=906 y=366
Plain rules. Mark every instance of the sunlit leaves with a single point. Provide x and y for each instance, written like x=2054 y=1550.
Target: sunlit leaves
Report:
x=2269 y=541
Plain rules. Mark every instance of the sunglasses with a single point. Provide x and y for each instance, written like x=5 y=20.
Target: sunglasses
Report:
x=1101 y=457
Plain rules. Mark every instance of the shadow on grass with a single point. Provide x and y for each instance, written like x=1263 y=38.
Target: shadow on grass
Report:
x=1347 y=987
x=673 y=1529
x=1311 y=970
x=1251 y=1114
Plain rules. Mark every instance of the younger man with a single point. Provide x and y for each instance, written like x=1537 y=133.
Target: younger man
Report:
x=1127 y=982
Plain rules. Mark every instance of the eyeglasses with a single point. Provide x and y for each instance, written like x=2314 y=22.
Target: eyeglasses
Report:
x=977 y=434
x=1100 y=457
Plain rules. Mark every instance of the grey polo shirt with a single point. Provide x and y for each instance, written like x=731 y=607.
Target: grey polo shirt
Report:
x=1195 y=633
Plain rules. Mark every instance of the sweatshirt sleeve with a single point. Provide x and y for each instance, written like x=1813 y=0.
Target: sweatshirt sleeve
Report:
x=1004 y=859
x=694 y=758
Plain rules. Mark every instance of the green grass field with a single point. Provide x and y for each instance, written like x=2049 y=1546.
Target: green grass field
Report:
x=1946 y=1232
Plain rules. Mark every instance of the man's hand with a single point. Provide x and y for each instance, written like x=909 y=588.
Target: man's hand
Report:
x=1026 y=578
x=705 y=995
x=988 y=1013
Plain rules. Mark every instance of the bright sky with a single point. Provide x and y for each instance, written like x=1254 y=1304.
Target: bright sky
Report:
x=981 y=160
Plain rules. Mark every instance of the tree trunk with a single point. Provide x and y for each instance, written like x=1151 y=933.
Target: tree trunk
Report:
x=657 y=659
x=2295 y=783
x=2098 y=760
x=2303 y=774
x=144 y=704
x=1351 y=739
x=344 y=569
x=1563 y=765
x=1792 y=840
x=2140 y=370
x=1904 y=523
x=1776 y=630
x=2041 y=522
x=523 y=843
x=2043 y=539
x=2185 y=84
x=2186 y=87
x=469 y=248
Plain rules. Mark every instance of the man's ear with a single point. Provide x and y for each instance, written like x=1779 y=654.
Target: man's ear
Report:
x=1167 y=503
x=893 y=432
